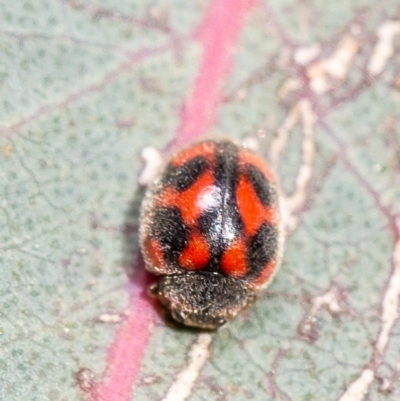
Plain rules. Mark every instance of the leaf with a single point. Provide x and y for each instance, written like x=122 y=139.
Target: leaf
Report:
x=86 y=85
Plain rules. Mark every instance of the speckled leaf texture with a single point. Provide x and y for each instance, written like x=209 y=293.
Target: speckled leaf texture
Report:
x=86 y=84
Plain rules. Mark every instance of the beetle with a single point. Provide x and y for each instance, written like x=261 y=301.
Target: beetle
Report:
x=210 y=226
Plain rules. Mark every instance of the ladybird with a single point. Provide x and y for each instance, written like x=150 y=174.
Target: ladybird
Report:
x=210 y=226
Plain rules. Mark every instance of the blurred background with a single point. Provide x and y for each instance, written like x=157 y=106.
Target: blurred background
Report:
x=86 y=84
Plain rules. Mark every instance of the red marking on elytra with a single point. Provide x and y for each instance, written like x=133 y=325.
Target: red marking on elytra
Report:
x=253 y=212
x=196 y=254
x=265 y=274
x=155 y=252
x=218 y=36
x=188 y=202
x=247 y=157
x=233 y=261
x=204 y=149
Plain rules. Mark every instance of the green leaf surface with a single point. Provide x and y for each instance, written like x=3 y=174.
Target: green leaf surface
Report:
x=85 y=85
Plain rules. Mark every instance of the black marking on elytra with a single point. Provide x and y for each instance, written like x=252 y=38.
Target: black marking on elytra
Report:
x=182 y=177
x=170 y=231
x=227 y=164
x=264 y=190
x=261 y=250
x=226 y=177
x=222 y=223
x=210 y=226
